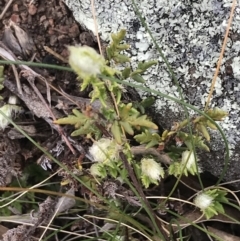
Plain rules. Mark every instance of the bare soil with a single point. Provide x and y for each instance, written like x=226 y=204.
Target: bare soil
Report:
x=38 y=31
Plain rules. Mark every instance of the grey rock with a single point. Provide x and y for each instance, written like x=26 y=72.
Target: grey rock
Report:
x=190 y=34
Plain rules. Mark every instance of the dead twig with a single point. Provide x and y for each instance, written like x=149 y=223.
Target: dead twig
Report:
x=142 y=150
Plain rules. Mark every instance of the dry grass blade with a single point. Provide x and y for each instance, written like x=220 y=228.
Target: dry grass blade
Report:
x=221 y=55
x=197 y=216
x=64 y=204
x=225 y=236
x=6 y=8
x=115 y=221
x=96 y=26
x=56 y=55
x=24 y=192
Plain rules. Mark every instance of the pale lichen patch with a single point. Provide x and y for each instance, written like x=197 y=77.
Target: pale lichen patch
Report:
x=190 y=34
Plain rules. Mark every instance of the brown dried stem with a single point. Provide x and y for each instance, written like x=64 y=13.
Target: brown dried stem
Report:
x=221 y=56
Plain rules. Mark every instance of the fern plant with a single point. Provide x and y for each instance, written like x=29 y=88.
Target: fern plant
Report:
x=120 y=121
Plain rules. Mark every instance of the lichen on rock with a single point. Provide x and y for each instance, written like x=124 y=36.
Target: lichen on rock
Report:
x=190 y=34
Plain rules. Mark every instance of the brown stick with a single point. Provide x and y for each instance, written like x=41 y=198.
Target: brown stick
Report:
x=142 y=150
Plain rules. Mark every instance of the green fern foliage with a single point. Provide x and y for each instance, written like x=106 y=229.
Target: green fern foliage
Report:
x=83 y=124
x=149 y=138
x=128 y=120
